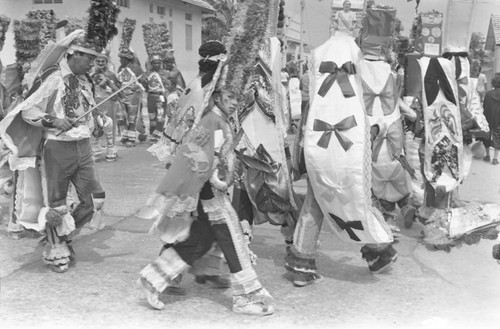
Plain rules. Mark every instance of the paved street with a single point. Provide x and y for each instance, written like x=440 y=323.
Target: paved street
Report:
x=424 y=289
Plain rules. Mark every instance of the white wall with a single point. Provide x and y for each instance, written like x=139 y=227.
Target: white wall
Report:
x=139 y=10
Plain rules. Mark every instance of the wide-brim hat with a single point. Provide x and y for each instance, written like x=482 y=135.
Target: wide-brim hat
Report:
x=82 y=45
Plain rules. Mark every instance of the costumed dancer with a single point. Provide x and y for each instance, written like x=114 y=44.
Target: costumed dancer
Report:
x=26 y=197
x=205 y=163
x=4 y=97
x=264 y=193
x=54 y=124
x=6 y=179
x=191 y=102
x=155 y=88
x=450 y=122
x=337 y=151
x=131 y=97
x=171 y=67
x=391 y=180
x=157 y=42
x=106 y=82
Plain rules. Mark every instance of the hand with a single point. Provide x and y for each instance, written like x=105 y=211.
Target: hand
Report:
x=63 y=124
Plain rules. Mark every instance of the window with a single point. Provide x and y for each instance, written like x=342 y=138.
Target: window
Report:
x=151 y=8
x=123 y=3
x=161 y=10
x=170 y=12
x=189 y=17
x=46 y=1
x=189 y=37
x=171 y=31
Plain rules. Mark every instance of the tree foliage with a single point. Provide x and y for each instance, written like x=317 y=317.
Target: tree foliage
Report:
x=217 y=26
x=477 y=54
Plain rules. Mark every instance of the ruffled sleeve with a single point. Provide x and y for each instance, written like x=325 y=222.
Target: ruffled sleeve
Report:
x=193 y=165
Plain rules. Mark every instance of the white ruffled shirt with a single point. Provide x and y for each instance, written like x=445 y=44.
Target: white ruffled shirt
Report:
x=48 y=101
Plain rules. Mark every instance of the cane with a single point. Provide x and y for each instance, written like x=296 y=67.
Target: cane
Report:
x=103 y=101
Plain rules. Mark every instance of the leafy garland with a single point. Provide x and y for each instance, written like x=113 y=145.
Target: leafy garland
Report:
x=75 y=23
x=127 y=31
x=27 y=38
x=48 y=28
x=249 y=34
x=156 y=39
x=4 y=26
x=101 y=27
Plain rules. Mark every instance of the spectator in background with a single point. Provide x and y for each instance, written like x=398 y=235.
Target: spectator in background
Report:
x=345 y=20
x=284 y=77
x=482 y=85
x=492 y=113
x=304 y=89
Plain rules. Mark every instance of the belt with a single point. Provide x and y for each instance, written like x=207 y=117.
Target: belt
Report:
x=155 y=92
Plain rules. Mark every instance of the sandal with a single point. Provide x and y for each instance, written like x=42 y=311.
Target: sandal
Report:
x=152 y=295
x=58 y=268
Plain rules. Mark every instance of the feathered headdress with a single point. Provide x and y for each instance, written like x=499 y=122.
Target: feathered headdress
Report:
x=254 y=23
x=48 y=28
x=27 y=39
x=99 y=31
x=156 y=39
x=4 y=26
x=127 y=31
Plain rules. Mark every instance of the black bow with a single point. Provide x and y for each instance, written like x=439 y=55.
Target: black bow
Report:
x=339 y=74
x=458 y=64
x=326 y=128
x=436 y=79
x=348 y=226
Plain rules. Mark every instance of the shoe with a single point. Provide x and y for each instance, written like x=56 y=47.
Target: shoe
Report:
x=302 y=279
x=130 y=143
x=250 y=304
x=487 y=158
x=494 y=162
x=383 y=260
x=152 y=296
x=217 y=281
x=111 y=154
x=408 y=214
x=58 y=268
x=175 y=288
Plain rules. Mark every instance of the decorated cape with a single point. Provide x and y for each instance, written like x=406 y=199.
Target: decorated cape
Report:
x=337 y=144
x=443 y=164
x=390 y=181
x=267 y=180
x=178 y=192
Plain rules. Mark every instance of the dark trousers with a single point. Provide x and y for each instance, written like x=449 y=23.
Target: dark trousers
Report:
x=202 y=236
x=72 y=161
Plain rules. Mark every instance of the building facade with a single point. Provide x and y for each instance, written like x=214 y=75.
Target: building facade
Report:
x=184 y=18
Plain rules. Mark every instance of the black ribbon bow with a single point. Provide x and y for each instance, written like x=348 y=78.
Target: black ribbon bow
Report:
x=348 y=226
x=436 y=79
x=326 y=128
x=458 y=64
x=339 y=74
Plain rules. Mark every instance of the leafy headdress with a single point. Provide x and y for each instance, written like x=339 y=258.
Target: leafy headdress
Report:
x=127 y=31
x=254 y=23
x=157 y=40
x=92 y=40
x=4 y=27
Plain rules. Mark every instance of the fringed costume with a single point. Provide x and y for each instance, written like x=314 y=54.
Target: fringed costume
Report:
x=49 y=158
x=207 y=171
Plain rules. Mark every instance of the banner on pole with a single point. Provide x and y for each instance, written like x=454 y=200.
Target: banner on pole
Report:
x=432 y=34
